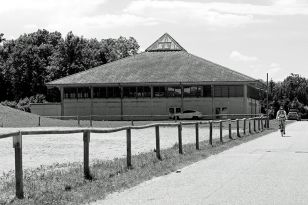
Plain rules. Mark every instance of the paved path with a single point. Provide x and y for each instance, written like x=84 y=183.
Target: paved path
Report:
x=268 y=170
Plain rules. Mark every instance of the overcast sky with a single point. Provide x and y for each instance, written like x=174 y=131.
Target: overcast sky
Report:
x=250 y=36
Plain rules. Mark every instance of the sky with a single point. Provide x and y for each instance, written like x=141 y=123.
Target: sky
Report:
x=254 y=37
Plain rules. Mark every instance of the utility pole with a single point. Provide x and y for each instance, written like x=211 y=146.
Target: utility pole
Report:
x=267 y=121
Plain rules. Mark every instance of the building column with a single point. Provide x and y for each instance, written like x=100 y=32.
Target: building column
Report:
x=91 y=99
x=62 y=100
x=245 y=107
x=182 y=98
x=121 y=99
x=212 y=92
x=152 y=95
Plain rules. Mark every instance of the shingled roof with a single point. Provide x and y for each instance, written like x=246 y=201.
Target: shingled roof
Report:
x=168 y=64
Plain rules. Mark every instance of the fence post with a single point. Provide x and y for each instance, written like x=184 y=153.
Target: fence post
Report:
x=157 y=142
x=39 y=121
x=249 y=126
x=262 y=125
x=268 y=122
x=132 y=122
x=197 y=136
x=91 y=121
x=230 y=131
x=78 y=120
x=180 y=138
x=259 y=123
x=17 y=145
x=254 y=124
x=238 y=128
x=244 y=128
x=220 y=131
x=211 y=133
x=86 y=142
x=129 y=148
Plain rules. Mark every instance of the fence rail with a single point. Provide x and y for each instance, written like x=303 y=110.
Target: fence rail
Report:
x=92 y=118
x=17 y=140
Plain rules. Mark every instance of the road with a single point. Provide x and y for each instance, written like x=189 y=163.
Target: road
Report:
x=269 y=170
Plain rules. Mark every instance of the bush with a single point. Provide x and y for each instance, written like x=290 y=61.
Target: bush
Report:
x=24 y=104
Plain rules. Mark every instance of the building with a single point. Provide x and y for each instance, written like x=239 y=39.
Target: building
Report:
x=150 y=83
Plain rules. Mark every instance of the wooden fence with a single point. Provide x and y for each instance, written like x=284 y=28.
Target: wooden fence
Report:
x=258 y=124
x=131 y=118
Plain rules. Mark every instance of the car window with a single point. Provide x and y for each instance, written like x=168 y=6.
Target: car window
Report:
x=178 y=110
x=188 y=111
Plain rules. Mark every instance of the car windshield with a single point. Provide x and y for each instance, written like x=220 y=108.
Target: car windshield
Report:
x=188 y=111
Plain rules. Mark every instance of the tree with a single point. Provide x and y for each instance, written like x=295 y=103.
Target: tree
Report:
x=33 y=59
x=1 y=37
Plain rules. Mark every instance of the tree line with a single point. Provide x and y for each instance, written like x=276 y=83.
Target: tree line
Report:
x=30 y=61
x=291 y=93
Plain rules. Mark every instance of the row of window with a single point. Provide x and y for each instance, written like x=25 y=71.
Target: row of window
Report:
x=158 y=91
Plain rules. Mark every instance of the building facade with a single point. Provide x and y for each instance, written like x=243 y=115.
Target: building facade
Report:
x=146 y=85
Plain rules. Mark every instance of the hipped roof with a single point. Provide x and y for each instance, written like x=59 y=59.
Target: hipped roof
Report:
x=163 y=66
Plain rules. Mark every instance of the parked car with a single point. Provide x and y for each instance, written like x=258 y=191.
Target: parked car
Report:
x=294 y=115
x=176 y=113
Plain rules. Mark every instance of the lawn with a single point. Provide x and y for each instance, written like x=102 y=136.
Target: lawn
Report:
x=63 y=183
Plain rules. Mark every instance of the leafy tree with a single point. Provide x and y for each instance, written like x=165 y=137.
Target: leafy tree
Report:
x=31 y=60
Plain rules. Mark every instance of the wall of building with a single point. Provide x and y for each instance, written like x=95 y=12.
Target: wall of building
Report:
x=46 y=109
x=111 y=108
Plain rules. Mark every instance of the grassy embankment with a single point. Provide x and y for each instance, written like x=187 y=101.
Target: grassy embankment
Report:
x=64 y=183
x=10 y=117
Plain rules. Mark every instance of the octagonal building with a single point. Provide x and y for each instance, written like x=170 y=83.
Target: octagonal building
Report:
x=149 y=84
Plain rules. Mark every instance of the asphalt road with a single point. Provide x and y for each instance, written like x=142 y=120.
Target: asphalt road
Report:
x=269 y=170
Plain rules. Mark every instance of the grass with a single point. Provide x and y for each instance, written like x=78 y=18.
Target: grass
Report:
x=64 y=183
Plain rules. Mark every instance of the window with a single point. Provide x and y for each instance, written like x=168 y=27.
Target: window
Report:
x=70 y=93
x=106 y=92
x=100 y=92
x=77 y=93
x=159 y=92
x=113 y=92
x=236 y=91
x=207 y=91
x=129 y=92
x=143 y=91
x=164 y=45
x=189 y=111
x=193 y=91
x=221 y=91
x=174 y=91
x=84 y=92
